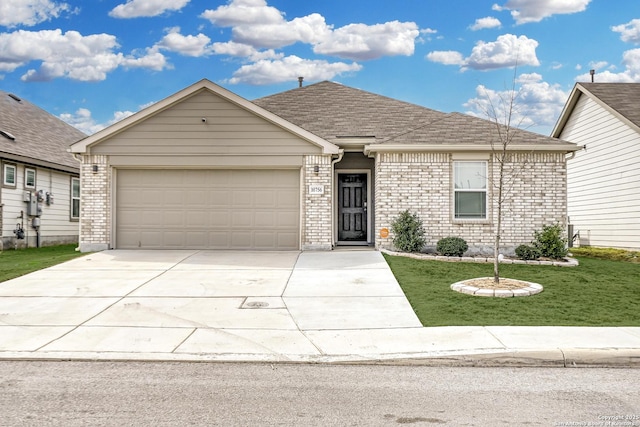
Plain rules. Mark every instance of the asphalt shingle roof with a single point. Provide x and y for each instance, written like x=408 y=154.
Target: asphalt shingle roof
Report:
x=38 y=134
x=622 y=97
x=331 y=110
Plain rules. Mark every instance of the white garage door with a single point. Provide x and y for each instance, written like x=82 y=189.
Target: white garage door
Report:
x=208 y=209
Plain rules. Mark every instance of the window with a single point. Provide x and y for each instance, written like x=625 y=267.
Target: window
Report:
x=9 y=175
x=29 y=178
x=75 y=198
x=470 y=189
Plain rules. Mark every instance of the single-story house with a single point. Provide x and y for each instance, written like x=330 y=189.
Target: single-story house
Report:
x=308 y=169
x=40 y=192
x=604 y=179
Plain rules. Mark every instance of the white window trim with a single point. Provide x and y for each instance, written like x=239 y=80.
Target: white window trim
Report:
x=454 y=190
x=4 y=175
x=72 y=198
x=35 y=177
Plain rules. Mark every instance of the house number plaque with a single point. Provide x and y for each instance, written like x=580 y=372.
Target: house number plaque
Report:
x=316 y=189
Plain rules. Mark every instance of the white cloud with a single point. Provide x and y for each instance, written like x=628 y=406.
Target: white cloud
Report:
x=185 y=45
x=244 y=51
x=70 y=55
x=524 y=11
x=244 y=12
x=446 y=57
x=256 y=24
x=288 y=69
x=483 y=23
x=146 y=8
x=83 y=120
x=598 y=65
x=310 y=29
x=629 y=32
x=30 y=12
x=631 y=74
x=507 y=51
x=536 y=104
x=365 y=42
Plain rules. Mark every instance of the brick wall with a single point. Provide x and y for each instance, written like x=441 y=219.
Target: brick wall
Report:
x=316 y=208
x=95 y=208
x=421 y=182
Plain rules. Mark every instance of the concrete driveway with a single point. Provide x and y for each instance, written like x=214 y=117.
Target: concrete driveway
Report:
x=199 y=302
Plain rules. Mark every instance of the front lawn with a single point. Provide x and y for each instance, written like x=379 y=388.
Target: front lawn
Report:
x=14 y=263
x=596 y=293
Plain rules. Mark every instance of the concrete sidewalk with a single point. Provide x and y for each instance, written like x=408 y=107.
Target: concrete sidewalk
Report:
x=323 y=307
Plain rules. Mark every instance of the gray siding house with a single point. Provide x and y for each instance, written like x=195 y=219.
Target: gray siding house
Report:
x=307 y=169
x=604 y=178
x=40 y=191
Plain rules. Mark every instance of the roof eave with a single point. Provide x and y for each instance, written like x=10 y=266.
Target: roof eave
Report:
x=83 y=145
x=577 y=90
x=41 y=163
x=478 y=148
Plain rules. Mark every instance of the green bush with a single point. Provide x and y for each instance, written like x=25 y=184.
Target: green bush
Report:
x=610 y=254
x=408 y=233
x=550 y=242
x=452 y=246
x=527 y=252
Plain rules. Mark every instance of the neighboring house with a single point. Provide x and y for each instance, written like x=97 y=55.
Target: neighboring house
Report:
x=40 y=190
x=310 y=168
x=604 y=178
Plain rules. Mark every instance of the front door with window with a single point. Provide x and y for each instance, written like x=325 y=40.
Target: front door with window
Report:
x=352 y=208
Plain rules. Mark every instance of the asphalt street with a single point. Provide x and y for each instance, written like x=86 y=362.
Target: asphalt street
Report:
x=229 y=394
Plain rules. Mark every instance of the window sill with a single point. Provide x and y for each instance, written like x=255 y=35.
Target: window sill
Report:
x=483 y=221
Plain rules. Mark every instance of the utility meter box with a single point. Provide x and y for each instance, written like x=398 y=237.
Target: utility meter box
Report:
x=32 y=206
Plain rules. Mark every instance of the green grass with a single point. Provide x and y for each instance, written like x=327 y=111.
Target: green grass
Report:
x=15 y=263
x=596 y=293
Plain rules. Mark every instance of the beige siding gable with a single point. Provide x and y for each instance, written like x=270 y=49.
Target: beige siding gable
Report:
x=205 y=124
x=604 y=179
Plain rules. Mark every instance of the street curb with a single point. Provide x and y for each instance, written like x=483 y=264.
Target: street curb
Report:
x=551 y=358
x=558 y=358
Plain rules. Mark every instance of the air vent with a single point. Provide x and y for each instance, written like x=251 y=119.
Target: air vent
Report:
x=7 y=135
x=14 y=97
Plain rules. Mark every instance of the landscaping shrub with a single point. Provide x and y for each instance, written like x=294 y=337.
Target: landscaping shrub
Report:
x=550 y=242
x=610 y=254
x=452 y=246
x=408 y=233
x=527 y=252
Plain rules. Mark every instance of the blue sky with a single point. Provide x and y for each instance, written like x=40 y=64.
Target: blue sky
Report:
x=92 y=63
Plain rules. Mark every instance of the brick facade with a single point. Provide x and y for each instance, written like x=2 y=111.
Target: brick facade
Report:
x=316 y=208
x=95 y=205
x=421 y=182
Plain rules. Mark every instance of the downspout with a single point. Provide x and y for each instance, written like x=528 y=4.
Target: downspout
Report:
x=333 y=201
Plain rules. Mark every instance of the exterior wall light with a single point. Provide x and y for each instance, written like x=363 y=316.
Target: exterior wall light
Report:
x=316 y=169
x=94 y=168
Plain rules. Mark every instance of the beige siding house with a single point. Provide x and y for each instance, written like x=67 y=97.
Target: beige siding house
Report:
x=40 y=192
x=308 y=169
x=604 y=177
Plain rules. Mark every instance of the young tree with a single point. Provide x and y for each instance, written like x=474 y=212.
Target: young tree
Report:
x=501 y=110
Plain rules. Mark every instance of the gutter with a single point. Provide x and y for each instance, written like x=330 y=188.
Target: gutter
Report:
x=448 y=148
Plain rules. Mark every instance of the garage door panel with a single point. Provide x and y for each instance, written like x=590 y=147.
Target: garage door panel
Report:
x=208 y=209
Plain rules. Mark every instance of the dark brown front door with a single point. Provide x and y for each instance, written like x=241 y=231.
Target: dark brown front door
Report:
x=352 y=208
